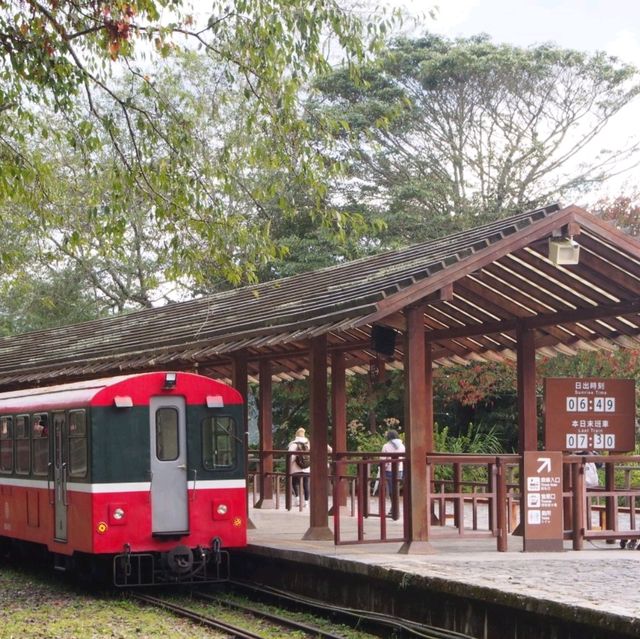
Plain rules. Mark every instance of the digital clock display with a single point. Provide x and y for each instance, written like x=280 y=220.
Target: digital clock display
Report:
x=589 y=414
x=591 y=441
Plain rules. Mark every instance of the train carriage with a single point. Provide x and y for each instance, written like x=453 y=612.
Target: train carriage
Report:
x=145 y=471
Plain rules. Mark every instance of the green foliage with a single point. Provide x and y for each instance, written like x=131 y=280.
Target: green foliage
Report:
x=206 y=146
x=626 y=475
x=361 y=438
x=36 y=301
x=473 y=441
x=443 y=134
x=290 y=411
x=476 y=382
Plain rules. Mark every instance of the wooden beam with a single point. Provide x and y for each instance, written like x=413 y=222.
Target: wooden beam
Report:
x=604 y=274
x=540 y=321
x=607 y=231
x=445 y=294
x=456 y=272
x=396 y=320
x=609 y=253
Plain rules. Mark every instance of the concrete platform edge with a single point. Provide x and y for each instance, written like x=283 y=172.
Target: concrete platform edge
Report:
x=608 y=622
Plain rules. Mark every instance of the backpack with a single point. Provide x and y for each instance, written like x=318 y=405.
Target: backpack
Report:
x=303 y=461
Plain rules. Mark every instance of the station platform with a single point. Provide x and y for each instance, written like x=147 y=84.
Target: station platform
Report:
x=597 y=586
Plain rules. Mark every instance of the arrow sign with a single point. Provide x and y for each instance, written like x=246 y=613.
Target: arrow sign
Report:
x=545 y=465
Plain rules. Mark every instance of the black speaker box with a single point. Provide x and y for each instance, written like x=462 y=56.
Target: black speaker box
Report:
x=383 y=340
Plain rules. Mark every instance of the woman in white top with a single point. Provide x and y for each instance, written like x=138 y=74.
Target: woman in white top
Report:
x=392 y=445
x=300 y=465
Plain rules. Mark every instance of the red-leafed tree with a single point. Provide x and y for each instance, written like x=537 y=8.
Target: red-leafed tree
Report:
x=623 y=211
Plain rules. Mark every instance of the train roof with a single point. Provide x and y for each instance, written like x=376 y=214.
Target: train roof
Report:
x=122 y=391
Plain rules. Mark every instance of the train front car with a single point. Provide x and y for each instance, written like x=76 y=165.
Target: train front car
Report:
x=168 y=478
x=144 y=473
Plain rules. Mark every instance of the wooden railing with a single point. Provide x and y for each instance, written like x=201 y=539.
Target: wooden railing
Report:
x=470 y=496
x=607 y=512
x=474 y=495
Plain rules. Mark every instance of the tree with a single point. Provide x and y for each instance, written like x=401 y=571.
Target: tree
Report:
x=44 y=299
x=63 y=58
x=82 y=209
x=446 y=134
x=623 y=211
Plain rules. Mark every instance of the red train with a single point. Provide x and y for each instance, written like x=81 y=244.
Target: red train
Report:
x=142 y=473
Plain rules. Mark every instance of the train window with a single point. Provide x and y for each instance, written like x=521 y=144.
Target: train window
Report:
x=40 y=439
x=57 y=432
x=167 y=443
x=218 y=443
x=6 y=444
x=77 y=443
x=23 y=447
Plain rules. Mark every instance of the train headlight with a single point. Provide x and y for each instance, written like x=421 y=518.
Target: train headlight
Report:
x=117 y=514
x=220 y=509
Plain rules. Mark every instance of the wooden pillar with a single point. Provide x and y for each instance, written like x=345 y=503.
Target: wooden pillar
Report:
x=266 y=437
x=419 y=434
x=240 y=381
x=527 y=406
x=339 y=419
x=319 y=507
x=428 y=395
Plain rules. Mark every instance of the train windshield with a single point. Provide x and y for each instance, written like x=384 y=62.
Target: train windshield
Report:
x=219 y=442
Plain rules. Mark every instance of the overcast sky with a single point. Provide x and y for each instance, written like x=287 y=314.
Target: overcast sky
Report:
x=612 y=26
x=606 y=25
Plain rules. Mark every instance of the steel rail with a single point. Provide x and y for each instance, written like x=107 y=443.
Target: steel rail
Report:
x=282 y=621
x=406 y=626
x=237 y=633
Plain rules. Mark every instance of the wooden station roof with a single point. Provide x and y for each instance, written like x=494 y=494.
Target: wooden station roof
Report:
x=478 y=286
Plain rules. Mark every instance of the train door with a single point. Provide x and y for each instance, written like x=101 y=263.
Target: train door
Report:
x=60 y=474
x=169 y=498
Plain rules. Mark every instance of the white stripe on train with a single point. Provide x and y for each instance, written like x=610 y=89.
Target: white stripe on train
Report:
x=120 y=487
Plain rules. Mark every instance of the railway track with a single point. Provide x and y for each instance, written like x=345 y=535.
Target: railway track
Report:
x=377 y=624
x=286 y=623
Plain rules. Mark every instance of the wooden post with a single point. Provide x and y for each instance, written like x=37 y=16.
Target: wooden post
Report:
x=266 y=437
x=339 y=420
x=527 y=408
x=501 y=505
x=611 y=507
x=240 y=381
x=579 y=500
x=419 y=434
x=319 y=507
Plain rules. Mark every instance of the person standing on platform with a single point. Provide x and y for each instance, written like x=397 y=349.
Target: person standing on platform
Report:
x=300 y=465
x=393 y=445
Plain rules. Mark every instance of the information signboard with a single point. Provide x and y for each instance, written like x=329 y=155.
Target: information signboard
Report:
x=543 y=528
x=589 y=414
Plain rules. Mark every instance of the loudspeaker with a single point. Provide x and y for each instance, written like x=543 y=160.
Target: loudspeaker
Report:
x=383 y=340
